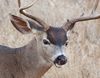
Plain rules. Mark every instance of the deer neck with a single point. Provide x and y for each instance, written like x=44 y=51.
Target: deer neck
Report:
x=32 y=61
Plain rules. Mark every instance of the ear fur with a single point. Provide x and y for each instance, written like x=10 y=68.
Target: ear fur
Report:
x=20 y=24
x=25 y=26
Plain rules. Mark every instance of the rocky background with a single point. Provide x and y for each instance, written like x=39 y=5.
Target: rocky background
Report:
x=84 y=40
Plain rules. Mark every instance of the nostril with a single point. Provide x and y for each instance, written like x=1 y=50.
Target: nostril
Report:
x=60 y=60
x=61 y=57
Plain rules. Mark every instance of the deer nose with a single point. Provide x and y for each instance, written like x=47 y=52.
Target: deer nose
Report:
x=60 y=60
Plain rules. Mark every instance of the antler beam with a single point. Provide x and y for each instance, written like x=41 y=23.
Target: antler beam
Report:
x=41 y=22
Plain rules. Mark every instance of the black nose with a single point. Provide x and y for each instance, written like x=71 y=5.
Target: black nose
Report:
x=60 y=60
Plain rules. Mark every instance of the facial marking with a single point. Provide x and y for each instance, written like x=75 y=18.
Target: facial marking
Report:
x=56 y=36
x=58 y=51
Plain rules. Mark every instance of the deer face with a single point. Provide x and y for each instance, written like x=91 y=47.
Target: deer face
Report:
x=53 y=40
x=54 y=45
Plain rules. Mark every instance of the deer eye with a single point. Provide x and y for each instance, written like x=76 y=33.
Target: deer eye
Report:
x=46 y=42
x=66 y=43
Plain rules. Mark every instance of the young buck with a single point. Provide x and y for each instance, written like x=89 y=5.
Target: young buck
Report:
x=47 y=48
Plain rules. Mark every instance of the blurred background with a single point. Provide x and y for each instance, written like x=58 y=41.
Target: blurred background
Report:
x=83 y=49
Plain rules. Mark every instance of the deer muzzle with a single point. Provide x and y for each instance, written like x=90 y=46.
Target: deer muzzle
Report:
x=60 y=60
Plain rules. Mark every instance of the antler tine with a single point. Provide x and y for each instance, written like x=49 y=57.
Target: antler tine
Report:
x=70 y=24
x=41 y=22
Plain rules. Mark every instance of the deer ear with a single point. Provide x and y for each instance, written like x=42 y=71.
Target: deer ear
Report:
x=25 y=26
x=20 y=24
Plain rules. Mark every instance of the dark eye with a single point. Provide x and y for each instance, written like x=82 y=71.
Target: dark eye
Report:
x=66 y=43
x=46 y=42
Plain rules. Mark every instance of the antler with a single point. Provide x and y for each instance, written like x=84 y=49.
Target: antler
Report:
x=41 y=22
x=70 y=23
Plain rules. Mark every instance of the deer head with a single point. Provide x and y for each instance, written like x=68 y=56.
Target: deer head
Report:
x=53 y=40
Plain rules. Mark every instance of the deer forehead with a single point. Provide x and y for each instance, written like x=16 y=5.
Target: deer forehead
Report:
x=56 y=36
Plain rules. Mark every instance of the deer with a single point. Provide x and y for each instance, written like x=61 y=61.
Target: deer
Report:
x=48 y=48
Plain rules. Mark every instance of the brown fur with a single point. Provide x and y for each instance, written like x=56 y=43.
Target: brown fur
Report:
x=57 y=36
